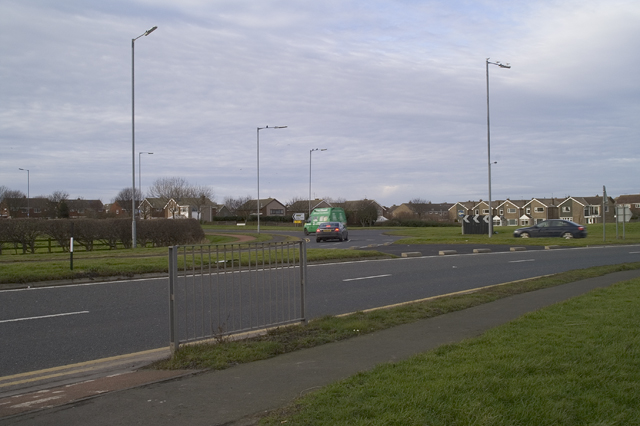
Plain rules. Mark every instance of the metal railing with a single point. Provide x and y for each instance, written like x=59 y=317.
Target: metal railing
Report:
x=219 y=290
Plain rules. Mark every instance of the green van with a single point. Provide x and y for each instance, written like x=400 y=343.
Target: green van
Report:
x=324 y=214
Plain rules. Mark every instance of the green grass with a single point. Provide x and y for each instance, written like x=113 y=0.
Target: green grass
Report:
x=43 y=267
x=505 y=236
x=331 y=329
x=575 y=363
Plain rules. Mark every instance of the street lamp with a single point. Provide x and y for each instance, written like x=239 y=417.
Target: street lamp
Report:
x=133 y=140
x=28 y=185
x=258 y=139
x=139 y=170
x=311 y=151
x=489 y=141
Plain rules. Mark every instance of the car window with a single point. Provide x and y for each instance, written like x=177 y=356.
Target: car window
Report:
x=542 y=224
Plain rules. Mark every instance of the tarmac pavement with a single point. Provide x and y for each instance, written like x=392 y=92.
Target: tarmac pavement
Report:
x=241 y=395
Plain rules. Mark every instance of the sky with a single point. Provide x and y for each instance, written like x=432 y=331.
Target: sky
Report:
x=394 y=90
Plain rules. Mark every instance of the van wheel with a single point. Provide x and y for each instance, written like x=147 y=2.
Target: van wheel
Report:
x=306 y=232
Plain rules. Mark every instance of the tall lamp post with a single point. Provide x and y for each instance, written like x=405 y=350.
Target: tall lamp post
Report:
x=28 y=185
x=133 y=139
x=310 y=152
x=258 y=150
x=140 y=169
x=489 y=141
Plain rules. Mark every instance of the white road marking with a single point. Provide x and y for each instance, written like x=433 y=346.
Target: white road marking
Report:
x=519 y=261
x=44 y=316
x=367 y=278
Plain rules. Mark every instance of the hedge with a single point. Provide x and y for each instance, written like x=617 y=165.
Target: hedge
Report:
x=110 y=232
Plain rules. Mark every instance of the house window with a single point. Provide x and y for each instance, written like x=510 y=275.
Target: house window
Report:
x=524 y=222
x=511 y=210
x=276 y=212
x=528 y=210
x=566 y=209
x=637 y=205
x=539 y=210
x=501 y=212
x=485 y=211
x=477 y=211
x=513 y=222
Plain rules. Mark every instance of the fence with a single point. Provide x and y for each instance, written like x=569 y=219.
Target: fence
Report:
x=219 y=290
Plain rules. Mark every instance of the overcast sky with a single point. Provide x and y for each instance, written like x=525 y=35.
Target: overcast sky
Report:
x=394 y=90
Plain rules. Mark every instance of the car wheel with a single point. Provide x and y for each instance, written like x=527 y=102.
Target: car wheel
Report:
x=318 y=240
x=525 y=235
x=346 y=236
x=341 y=238
x=567 y=235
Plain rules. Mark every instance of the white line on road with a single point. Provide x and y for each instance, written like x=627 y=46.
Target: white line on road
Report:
x=519 y=261
x=367 y=278
x=44 y=316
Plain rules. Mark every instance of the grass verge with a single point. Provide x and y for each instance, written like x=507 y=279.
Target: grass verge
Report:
x=329 y=329
x=57 y=266
x=504 y=236
x=574 y=363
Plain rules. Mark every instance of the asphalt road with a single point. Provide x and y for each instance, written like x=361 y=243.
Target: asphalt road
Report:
x=47 y=327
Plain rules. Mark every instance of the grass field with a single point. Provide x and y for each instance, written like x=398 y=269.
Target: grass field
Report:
x=575 y=363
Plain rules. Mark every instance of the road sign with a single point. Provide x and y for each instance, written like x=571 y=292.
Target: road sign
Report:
x=623 y=214
x=298 y=216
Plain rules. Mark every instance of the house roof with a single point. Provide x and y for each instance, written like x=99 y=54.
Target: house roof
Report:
x=85 y=204
x=588 y=201
x=547 y=202
x=303 y=205
x=466 y=204
x=517 y=203
x=628 y=199
x=252 y=204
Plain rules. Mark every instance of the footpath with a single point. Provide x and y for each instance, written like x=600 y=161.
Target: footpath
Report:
x=241 y=395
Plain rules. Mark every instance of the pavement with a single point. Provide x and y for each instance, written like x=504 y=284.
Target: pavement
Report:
x=241 y=395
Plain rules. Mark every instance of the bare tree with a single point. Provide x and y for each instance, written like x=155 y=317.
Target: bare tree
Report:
x=58 y=204
x=175 y=188
x=3 y=190
x=124 y=198
x=13 y=199
x=420 y=206
x=201 y=196
x=233 y=204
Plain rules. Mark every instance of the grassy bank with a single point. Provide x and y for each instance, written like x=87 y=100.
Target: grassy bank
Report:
x=504 y=236
x=330 y=329
x=574 y=363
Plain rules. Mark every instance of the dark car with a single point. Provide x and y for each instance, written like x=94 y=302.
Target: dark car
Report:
x=332 y=231
x=553 y=228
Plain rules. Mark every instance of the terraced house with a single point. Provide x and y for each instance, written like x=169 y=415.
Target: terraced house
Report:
x=587 y=210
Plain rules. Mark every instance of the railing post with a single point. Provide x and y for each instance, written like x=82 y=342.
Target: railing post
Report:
x=174 y=341
x=303 y=278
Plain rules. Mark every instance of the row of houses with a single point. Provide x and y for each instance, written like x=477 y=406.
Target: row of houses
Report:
x=584 y=210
